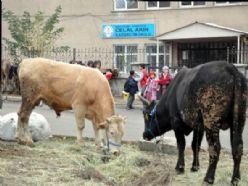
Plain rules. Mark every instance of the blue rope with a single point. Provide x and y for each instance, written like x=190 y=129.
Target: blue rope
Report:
x=114 y=144
x=153 y=111
x=152 y=114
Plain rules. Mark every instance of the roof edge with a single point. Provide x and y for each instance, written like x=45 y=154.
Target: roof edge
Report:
x=206 y=24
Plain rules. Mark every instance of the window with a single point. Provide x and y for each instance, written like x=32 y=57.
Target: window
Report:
x=196 y=3
x=192 y=3
x=125 y=4
x=124 y=56
x=151 y=54
x=158 y=4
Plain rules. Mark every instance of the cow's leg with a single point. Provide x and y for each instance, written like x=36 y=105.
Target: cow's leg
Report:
x=212 y=136
x=80 y=120
x=22 y=133
x=99 y=136
x=237 y=151
x=181 y=147
x=2 y=82
x=196 y=144
x=5 y=84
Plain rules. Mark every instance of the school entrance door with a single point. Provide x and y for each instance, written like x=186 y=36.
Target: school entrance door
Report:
x=192 y=54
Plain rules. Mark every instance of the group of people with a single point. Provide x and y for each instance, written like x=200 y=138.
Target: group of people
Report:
x=152 y=86
x=94 y=64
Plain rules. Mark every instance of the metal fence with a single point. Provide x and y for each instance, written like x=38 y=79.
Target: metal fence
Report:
x=237 y=56
x=123 y=61
x=64 y=55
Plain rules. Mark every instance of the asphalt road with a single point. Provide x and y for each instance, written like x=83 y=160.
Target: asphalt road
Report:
x=65 y=124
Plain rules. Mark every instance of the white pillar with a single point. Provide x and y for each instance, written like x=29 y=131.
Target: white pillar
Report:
x=170 y=62
x=241 y=50
x=238 y=49
x=157 y=57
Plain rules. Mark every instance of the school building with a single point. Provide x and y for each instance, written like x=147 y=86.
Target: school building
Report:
x=156 y=33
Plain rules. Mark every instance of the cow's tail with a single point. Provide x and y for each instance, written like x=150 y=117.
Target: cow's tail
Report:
x=239 y=116
x=240 y=100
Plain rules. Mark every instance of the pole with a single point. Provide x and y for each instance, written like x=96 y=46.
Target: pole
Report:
x=238 y=49
x=74 y=54
x=157 y=58
x=227 y=54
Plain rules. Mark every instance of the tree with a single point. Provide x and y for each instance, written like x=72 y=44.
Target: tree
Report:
x=32 y=35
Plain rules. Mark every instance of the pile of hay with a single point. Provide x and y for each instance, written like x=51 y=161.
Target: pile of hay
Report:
x=60 y=161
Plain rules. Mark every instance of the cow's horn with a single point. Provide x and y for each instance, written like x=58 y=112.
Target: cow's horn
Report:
x=143 y=100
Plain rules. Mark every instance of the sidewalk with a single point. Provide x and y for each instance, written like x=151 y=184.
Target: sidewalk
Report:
x=119 y=101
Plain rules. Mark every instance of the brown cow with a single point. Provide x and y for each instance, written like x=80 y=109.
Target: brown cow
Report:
x=63 y=87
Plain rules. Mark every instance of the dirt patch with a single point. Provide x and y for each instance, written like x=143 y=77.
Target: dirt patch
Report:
x=154 y=178
x=60 y=161
x=89 y=173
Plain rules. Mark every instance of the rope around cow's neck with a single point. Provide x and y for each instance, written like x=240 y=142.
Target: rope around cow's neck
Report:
x=153 y=115
x=109 y=142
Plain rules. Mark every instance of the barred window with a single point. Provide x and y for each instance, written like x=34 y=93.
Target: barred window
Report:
x=192 y=3
x=151 y=56
x=124 y=56
x=158 y=4
x=125 y=4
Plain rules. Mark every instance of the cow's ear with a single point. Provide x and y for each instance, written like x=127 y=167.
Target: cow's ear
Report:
x=103 y=125
x=108 y=120
x=121 y=118
x=124 y=119
x=144 y=101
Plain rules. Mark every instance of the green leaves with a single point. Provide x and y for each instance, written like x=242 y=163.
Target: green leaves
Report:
x=49 y=25
x=32 y=32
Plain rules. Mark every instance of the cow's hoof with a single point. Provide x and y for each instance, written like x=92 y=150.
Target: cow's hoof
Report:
x=30 y=143
x=21 y=142
x=180 y=169
x=25 y=142
x=194 y=168
x=209 y=180
x=235 y=181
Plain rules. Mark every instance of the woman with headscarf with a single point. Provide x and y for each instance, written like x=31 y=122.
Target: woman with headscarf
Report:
x=164 y=81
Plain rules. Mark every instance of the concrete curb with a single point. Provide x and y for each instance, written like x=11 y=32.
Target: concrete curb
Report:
x=166 y=146
x=154 y=147
x=12 y=98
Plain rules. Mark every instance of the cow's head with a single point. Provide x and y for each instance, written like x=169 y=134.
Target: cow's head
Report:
x=114 y=133
x=151 y=124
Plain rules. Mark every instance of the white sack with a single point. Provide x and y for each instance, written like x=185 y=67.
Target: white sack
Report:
x=38 y=127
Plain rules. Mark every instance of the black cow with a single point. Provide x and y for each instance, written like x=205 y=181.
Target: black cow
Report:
x=13 y=71
x=9 y=75
x=208 y=97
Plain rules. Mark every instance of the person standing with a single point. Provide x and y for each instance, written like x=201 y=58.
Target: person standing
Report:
x=164 y=81
x=108 y=74
x=150 y=92
x=142 y=79
x=132 y=88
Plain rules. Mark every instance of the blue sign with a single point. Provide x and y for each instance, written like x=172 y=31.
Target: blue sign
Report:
x=128 y=30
